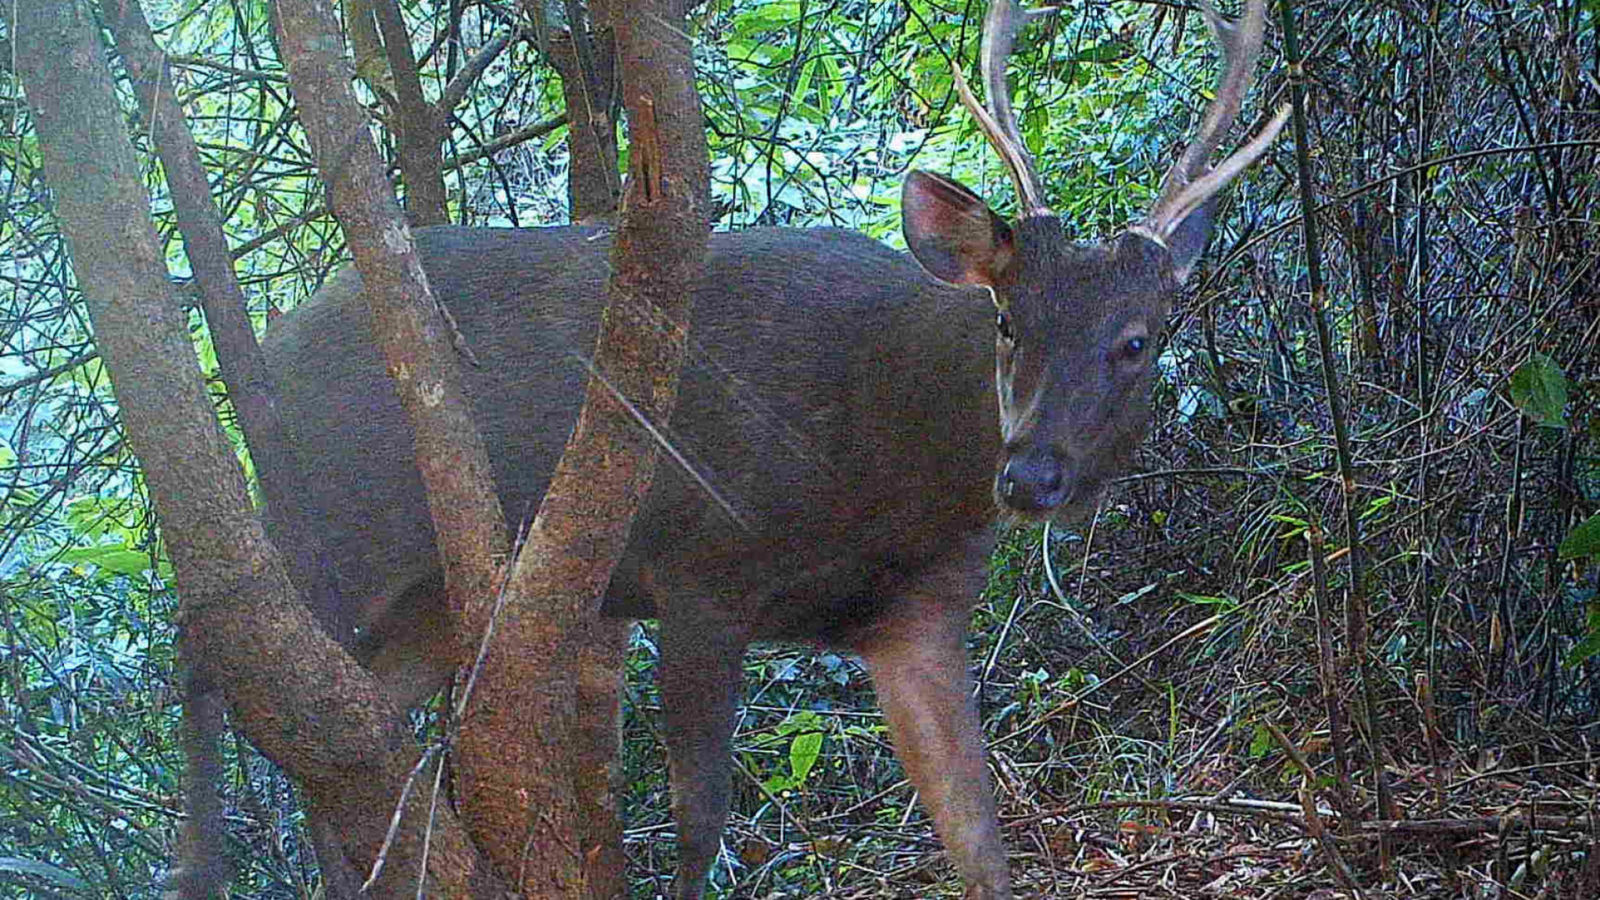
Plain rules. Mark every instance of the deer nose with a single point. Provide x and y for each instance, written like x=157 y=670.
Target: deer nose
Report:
x=1032 y=480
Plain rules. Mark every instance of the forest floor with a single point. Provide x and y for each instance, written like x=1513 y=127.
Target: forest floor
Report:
x=1120 y=791
x=1500 y=831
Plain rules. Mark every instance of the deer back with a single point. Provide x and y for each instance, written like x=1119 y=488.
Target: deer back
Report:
x=835 y=415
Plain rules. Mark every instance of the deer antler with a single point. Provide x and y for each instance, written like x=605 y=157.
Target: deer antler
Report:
x=998 y=121
x=1192 y=181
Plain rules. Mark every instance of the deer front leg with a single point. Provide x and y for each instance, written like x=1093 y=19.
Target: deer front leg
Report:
x=918 y=660
x=701 y=677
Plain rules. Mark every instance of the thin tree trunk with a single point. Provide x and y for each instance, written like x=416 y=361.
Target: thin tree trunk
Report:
x=255 y=399
x=418 y=123
x=586 y=61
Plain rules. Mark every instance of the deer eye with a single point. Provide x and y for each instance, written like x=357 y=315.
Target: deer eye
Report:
x=1131 y=349
x=1002 y=327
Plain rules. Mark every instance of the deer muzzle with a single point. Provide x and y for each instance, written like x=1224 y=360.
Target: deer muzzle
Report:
x=1034 y=481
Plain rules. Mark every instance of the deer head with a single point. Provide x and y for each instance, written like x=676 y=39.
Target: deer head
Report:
x=1076 y=326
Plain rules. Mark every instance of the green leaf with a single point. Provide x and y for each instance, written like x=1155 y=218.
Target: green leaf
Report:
x=1586 y=648
x=777 y=784
x=1376 y=505
x=34 y=868
x=1104 y=52
x=1590 y=645
x=1134 y=595
x=111 y=559
x=767 y=17
x=1539 y=389
x=1223 y=604
x=803 y=753
x=802 y=83
x=1260 y=742
x=1583 y=541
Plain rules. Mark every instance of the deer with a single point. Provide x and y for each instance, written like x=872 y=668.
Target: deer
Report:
x=852 y=421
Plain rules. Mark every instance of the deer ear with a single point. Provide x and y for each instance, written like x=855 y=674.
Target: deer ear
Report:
x=955 y=237
x=1189 y=239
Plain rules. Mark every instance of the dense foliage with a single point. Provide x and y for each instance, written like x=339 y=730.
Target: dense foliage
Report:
x=1453 y=162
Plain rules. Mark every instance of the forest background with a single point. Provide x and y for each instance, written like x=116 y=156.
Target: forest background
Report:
x=1261 y=670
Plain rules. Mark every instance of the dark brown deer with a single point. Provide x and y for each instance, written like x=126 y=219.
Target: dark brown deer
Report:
x=840 y=466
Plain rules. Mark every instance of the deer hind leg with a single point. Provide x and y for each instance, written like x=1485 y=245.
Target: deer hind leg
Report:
x=917 y=655
x=407 y=641
x=701 y=679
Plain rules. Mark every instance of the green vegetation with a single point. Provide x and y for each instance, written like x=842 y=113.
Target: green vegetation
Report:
x=1139 y=656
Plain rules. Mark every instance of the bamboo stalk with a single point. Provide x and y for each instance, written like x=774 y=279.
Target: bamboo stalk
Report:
x=1355 y=609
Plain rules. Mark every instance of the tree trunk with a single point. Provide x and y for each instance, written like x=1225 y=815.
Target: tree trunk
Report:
x=254 y=397
x=586 y=60
x=417 y=122
x=239 y=613
x=517 y=787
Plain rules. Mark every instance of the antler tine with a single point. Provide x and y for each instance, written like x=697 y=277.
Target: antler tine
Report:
x=998 y=121
x=1240 y=43
x=1191 y=181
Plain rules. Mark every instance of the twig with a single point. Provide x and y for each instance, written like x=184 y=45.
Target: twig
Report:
x=1330 y=847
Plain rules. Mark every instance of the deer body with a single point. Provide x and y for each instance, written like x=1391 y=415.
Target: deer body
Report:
x=836 y=398
x=848 y=427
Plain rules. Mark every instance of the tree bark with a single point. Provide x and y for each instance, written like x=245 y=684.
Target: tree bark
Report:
x=254 y=398
x=417 y=122
x=244 y=370
x=304 y=702
x=586 y=60
x=517 y=788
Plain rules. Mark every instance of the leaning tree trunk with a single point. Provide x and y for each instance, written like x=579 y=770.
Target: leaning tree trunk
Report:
x=254 y=397
x=586 y=61
x=525 y=699
x=410 y=331
x=239 y=615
